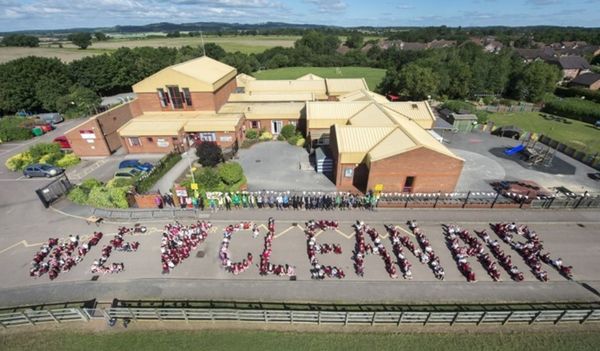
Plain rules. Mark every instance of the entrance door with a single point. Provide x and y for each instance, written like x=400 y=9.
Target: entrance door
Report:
x=408 y=184
x=276 y=127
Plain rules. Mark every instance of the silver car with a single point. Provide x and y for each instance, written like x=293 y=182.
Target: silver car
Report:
x=42 y=170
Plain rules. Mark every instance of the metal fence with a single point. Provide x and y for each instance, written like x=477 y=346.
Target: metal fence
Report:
x=533 y=316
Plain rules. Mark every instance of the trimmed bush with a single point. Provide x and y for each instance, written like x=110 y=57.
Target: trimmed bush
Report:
x=68 y=160
x=280 y=138
x=88 y=184
x=19 y=161
x=118 y=197
x=265 y=136
x=252 y=134
x=120 y=182
x=40 y=150
x=574 y=108
x=457 y=106
x=300 y=142
x=99 y=197
x=231 y=173
x=160 y=169
x=288 y=131
x=293 y=140
x=590 y=95
x=248 y=142
x=208 y=179
x=78 y=196
x=11 y=129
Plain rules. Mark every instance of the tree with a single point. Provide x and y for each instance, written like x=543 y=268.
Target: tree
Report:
x=231 y=173
x=208 y=178
x=417 y=82
x=21 y=40
x=355 y=40
x=100 y=36
x=535 y=80
x=30 y=84
x=214 y=51
x=79 y=102
x=288 y=131
x=174 y=34
x=209 y=154
x=242 y=62
x=82 y=40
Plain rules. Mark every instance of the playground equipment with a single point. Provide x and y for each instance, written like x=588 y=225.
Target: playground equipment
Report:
x=514 y=150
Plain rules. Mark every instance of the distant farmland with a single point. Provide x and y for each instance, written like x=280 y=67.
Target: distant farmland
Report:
x=373 y=76
x=69 y=52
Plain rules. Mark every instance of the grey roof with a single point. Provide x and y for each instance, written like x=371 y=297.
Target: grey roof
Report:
x=586 y=79
x=463 y=117
x=573 y=62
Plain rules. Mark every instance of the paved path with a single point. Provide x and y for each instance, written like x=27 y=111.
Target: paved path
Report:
x=166 y=182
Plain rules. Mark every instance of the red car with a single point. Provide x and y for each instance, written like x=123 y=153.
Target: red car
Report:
x=46 y=127
x=63 y=142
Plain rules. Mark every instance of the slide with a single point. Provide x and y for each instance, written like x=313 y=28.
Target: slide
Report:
x=514 y=150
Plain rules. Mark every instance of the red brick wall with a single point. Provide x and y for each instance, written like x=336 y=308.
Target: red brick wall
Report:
x=150 y=146
x=81 y=147
x=432 y=171
x=201 y=101
x=266 y=123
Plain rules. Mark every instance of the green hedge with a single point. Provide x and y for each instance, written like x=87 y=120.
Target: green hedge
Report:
x=94 y=193
x=11 y=128
x=574 y=108
x=160 y=169
x=457 y=106
x=590 y=95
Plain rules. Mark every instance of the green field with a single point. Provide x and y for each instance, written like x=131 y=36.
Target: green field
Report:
x=372 y=75
x=579 y=135
x=290 y=341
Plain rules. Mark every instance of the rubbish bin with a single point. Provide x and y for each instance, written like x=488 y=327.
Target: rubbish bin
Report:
x=37 y=131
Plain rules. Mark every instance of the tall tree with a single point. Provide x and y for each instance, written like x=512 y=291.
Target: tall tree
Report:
x=417 y=82
x=355 y=40
x=82 y=40
x=100 y=36
x=535 y=80
x=79 y=102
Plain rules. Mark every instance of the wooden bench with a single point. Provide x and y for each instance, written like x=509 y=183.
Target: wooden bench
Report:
x=94 y=219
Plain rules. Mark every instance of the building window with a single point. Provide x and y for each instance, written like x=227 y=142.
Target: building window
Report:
x=134 y=141
x=187 y=96
x=348 y=172
x=208 y=137
x=409 y=184
x=255 y=124
x=162 y=97
x=149 y=139
x=176 y=101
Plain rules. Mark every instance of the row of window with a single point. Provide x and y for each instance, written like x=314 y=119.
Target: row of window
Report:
x=135 y=141
x=173 y=97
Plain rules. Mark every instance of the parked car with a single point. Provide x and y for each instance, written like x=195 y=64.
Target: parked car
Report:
x=595 y=176
x=145 y=167
x=42 y=170
x=62 y=141
x=47 y=127
x=128 y=172
x=52 y=118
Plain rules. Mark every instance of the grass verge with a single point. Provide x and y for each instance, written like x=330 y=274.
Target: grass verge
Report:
x=579 y=135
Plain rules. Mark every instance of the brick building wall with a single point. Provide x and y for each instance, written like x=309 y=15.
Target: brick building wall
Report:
x=96 y=146
x=154 y=144
x=433 y=171
x=104 y=127
x=266 y=123
x=201 y=101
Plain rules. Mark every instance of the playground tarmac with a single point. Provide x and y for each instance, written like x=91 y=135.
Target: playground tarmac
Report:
x=486 y=161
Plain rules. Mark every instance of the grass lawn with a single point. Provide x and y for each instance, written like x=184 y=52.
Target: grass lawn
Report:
x=579 y=135
x=290 y=341
x=372 y=75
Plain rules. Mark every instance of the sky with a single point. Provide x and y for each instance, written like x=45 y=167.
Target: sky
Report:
x=60 y=14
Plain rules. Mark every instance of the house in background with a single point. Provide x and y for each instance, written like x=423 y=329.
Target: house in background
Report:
x=586 y=80
x=571 y=66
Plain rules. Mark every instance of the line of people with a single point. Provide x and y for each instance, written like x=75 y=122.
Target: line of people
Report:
x=459 y=253
x=362 y=249
x=504 y=259
x=397 y=243
x=266 y=267
x=313 y=248
x=179 y=240
x=55 y=256
x=428 y=255
x=476 y=249
x=224 y=254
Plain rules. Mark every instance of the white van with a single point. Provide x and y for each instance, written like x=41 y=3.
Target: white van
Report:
x=52 y=118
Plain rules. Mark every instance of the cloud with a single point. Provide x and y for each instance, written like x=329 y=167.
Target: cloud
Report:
x=405 y=7
x=543 y=2
x=328 y=6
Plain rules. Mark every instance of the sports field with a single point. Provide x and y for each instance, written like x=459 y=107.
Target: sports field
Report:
x=579 y=135
x=372 y=75
x=69 y=52
x=270 y=340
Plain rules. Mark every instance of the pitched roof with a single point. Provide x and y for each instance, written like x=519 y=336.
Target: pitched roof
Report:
x=573 y=62
x=340 y=86
x=333 y=109
x=286 y=86
x=415 y=110
x=279 y=110
x=271 y=97
x=142 y=127
x=389 y=146
x=202 y=74
x=310 y=76
x=353 y=139
x=362 y=95
x=586 y=79
x=171 y=123
x=242 y=78
x=371 y=115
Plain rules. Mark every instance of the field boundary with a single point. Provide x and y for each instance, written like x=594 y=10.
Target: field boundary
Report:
x=506 y=315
